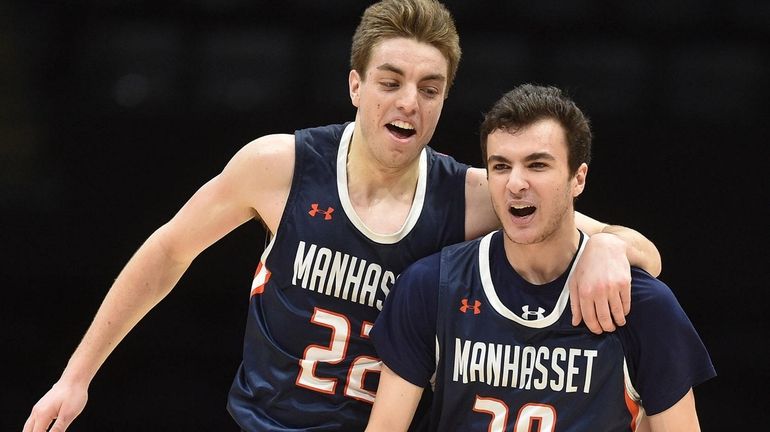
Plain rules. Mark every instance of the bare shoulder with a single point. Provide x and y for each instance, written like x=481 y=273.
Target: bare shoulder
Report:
x=268 y=149
x=476 y=188
x=480 y=217
x=268 y=160
x=476 y=179
x=262 y=170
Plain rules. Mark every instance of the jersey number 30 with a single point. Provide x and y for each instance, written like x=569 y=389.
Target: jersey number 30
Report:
x=541 y=417
x=334 y=353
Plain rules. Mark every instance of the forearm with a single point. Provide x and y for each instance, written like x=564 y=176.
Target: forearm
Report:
x=145 y=280
x=641 y=252
x=395 y=403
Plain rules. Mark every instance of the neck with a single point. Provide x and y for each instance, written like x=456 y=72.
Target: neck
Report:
x=542 y=262
x=370 y=180
x=381 y=195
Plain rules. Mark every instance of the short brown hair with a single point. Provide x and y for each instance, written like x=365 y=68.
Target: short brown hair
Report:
x=527 y=104
x=425 y=21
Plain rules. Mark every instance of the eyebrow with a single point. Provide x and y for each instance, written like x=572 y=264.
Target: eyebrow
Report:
x=539 y=155
x=497 y=158
x=387 y=67
x=531 y=157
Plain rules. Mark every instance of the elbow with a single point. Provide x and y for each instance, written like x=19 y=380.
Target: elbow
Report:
x=171 y=250
x=655 y=262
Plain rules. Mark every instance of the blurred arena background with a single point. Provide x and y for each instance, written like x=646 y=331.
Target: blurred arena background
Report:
x=112 y=113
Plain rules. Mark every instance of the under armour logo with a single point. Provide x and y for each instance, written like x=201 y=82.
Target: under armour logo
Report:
x=528 y=314
x=314 y=210
x=475 y=307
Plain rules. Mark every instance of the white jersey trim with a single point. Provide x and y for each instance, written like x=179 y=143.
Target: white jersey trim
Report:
x=432 y=379
x=633 y=395
x=347 y=205
x=494 y=300
x=262 y=275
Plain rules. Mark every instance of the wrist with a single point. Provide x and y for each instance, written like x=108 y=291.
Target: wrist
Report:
x=75 y=377
x=611 y=240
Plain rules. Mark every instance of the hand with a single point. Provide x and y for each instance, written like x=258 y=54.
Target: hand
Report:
x=600 y=287
x=62 y=403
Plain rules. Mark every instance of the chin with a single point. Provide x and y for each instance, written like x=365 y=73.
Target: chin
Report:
x=522 y=238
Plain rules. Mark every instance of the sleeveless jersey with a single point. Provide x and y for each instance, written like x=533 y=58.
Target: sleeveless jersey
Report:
x=500 y=372
x=450 y=323
x=308 y=363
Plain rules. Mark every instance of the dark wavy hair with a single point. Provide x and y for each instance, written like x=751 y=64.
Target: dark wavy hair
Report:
x=527 y=104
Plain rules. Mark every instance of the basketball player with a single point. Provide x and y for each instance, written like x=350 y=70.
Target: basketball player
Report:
x=347 y=207
x=490 y=318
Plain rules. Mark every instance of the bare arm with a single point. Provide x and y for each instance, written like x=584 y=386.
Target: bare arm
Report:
x=395 y=404
x=602 y=279
x=480 y=217
x=639 y=250
x=255 y=182
x=681 y=417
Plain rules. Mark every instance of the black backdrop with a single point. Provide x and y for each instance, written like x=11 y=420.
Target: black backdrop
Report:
x=113 y=112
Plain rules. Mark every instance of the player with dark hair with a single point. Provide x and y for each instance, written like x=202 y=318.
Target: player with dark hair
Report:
x=347 y=208
x=489 y=319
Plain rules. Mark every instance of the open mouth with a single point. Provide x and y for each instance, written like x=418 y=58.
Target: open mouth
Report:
x=521 y=211
x=401 y=130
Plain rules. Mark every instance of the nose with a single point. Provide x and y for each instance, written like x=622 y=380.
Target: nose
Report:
x=517 y=181
x=407 y=99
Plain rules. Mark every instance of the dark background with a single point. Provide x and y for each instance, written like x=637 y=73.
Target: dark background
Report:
x=112 y=113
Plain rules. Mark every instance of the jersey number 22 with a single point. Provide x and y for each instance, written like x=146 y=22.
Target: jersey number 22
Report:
x=334 y=353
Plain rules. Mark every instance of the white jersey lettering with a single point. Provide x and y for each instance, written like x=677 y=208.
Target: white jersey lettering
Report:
x=559 y=369
x=341 y=275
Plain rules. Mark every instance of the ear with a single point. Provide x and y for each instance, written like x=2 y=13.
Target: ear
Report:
x=579 y=181
x=354 y=86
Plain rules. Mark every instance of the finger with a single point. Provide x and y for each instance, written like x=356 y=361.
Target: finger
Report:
x=41 y=425
x=604 y=316
x=589 y=316
x=60 y=425
x=29 y=425
x=37 y=422
x=38 y=425
x=625 y=298
x=574 y=303
x=616 y=308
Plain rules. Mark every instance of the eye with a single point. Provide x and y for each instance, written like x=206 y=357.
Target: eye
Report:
x=389 y=85
x=538 y=165
x=499 y=167
x=431 y=92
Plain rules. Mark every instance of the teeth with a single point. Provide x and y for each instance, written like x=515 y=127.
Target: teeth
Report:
x=402 y=125
x=520 y=207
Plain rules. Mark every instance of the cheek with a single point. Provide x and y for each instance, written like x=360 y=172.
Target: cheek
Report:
x=431 y=118
x=576 y=189
x=497 y=190
x=436 y=111
x=431 y=107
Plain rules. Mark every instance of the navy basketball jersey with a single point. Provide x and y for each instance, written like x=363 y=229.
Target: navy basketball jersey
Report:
x=308 y=363
x=498 y=371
